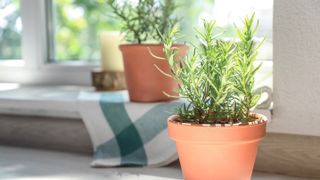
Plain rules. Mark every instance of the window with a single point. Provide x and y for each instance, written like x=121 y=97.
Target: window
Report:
x=77 y=24
x=58 y=40
x=10 y=30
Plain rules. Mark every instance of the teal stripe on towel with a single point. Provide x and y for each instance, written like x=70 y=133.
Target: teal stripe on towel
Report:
x=108 y=150
x=148 y=126
x=127 y=136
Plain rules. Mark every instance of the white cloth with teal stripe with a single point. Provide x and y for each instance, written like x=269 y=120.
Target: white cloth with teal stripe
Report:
x=126 y=133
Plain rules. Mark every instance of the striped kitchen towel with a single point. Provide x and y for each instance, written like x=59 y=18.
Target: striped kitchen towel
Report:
x=126 y=133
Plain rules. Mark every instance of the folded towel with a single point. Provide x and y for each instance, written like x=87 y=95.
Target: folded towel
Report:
x=127 y=133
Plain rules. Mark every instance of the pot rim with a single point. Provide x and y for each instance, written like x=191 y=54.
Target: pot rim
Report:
x=261 y=119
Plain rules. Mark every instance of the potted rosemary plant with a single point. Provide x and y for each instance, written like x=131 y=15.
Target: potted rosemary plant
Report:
x=143 y=23
x=216 y=132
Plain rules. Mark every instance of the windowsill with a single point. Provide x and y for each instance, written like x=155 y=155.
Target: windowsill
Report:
x=48 y=101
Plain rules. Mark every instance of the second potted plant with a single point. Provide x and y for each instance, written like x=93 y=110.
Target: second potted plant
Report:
x=216 y=133
x=143 y=24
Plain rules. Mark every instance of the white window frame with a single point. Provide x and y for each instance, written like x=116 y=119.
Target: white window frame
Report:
x=35 y=67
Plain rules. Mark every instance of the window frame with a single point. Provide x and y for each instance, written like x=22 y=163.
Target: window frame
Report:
x=36 y=67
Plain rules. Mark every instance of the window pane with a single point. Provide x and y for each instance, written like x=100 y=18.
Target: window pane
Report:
x=77 y=24
x=10 y=30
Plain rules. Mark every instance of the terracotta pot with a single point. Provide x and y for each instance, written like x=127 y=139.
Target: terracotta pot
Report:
x=217 y=153
x=144 y=81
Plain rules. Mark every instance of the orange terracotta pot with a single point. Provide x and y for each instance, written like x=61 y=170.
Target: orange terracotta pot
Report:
x=217 y=153
x=144 y=81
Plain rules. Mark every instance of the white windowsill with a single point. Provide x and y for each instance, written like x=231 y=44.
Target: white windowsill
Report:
x=48 y=101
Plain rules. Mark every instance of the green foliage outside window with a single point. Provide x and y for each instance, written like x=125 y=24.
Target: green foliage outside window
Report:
x=10 y=35
x=77 y=24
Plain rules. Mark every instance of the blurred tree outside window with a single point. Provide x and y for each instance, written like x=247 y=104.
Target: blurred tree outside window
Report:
x=10 y=30
x=78 y=23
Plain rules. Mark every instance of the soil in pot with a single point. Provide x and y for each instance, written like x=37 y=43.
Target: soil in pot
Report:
x=210 y=152
x=144 y=81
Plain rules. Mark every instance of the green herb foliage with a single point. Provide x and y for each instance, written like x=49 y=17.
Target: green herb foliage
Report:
x=217 y=77
x=145 y=20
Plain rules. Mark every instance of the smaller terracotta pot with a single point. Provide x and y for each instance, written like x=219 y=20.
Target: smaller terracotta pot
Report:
x=215 y=152
x=144 y=81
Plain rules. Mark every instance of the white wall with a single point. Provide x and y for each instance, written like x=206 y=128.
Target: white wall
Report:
x=296 y=67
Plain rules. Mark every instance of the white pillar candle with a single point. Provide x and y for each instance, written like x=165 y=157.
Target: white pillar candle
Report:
x=111 y=57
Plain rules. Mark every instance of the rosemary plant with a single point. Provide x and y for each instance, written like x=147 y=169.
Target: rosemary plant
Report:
x=217 y=78
x=144 y=20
